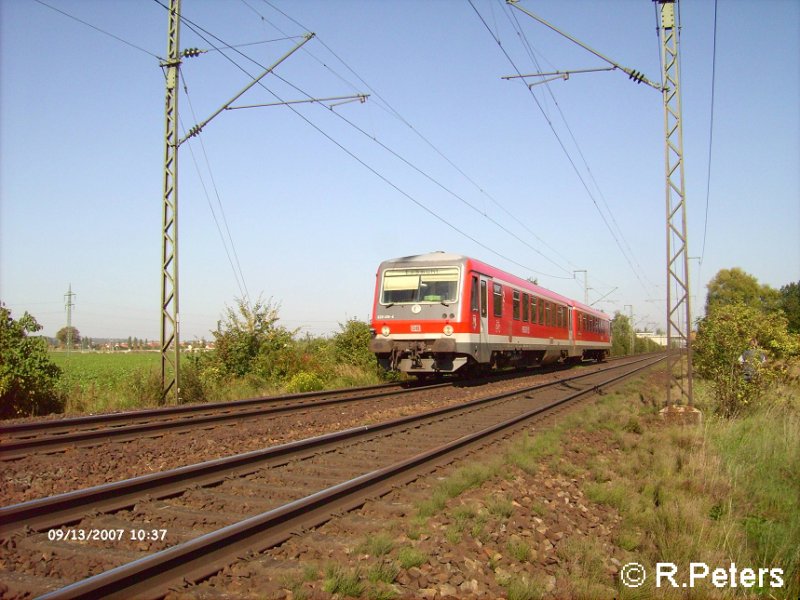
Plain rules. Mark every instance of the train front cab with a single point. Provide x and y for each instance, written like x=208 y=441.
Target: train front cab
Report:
x=418 y=324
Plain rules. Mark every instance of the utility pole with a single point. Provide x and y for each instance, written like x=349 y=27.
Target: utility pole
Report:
x=170 y=317
x=633 y=334
x=585 y=284
x=679 y=322
x=68 y=304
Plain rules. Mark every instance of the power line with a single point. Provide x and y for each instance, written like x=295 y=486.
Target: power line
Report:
x=563 y=148
x=710 y=133
x=526 y=44
x=438 y=151
x=198 y=29
x=237 y=268
x=103 y=31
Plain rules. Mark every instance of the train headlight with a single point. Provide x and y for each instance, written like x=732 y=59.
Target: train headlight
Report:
x=385 y=331
x=448 y=330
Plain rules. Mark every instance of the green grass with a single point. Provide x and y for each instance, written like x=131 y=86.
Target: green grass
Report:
x=409 y=557
x=96 y=382
x=518 y=550
x=376 y=545
x=102 y=369
x=500 y=506
x=342 y=581
x=462 y=480
x=385 y=572
x=761 y=454
x=524 y=589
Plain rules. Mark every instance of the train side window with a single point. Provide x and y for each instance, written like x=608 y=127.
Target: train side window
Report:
x=542 y=304
x=515 y=306
x=497 y=292
x=484 y=298
x=474 y=300
x=547 y=314
x=559 y=316
x=525 y=304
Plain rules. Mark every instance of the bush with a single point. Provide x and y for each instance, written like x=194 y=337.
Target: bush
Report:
x=27 y=376
x=741 y=351
x=351 y=345
x=304 y=382
x=248 y=341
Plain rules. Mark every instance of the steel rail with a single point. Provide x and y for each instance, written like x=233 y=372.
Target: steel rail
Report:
x=153 y=575
x=22 y=447
x=71 y=423
x=61 y=433
x=69 y=507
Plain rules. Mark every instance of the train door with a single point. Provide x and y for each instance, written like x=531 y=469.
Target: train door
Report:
x=483 y=354
x=570 y=326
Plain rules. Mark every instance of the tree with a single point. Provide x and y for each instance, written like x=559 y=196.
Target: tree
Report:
x=732 y=286
x=741 y=351
x=27 y=376
x=621 y=335
x=63 y=335
x=790 y=303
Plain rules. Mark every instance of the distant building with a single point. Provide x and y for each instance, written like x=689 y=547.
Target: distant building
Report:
x=658 y=338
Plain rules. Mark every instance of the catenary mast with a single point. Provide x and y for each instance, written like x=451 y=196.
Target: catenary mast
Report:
x=170 y=320
x=679 y=323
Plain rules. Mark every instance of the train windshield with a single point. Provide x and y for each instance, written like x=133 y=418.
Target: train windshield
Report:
x=420 y=285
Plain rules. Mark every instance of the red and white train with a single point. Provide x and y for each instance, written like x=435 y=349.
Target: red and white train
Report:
x=446 y=313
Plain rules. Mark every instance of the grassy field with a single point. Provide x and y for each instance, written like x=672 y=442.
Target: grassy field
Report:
x=94 y=381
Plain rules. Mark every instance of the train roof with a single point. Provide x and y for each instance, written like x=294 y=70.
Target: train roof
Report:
x=441 y=257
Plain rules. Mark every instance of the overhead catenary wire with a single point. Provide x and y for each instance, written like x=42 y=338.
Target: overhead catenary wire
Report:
x=515 y=24
x=427 y=141
x=98 y=29
x=710 y=134
x=563 y=148
x=234 y=262
x=203 y=33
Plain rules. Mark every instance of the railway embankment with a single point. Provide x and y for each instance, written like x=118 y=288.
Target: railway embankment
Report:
x=563 y=510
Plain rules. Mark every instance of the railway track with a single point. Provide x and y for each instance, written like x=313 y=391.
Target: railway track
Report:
x=55 y=435
x=22 y=439
x=279 y=490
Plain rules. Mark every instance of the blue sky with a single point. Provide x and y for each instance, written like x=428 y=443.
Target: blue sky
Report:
x=81 y=150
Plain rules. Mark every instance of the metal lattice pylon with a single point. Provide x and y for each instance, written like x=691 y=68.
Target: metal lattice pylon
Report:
x=170 y=339
x=679 y=324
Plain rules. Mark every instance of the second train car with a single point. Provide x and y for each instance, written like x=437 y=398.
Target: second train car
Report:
x=443 y=313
